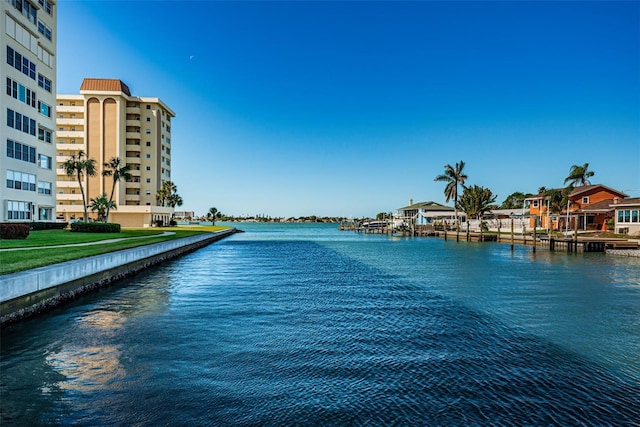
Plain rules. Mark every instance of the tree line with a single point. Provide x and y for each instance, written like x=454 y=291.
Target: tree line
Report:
x=476 y=201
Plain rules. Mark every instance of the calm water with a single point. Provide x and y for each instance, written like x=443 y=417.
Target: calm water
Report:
x=307 y=325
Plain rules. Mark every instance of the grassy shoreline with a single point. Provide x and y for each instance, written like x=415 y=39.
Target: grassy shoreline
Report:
x=13 y=261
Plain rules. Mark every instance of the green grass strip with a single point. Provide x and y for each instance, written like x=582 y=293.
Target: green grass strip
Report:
x=40 y=256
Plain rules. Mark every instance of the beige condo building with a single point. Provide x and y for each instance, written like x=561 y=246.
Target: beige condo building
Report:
x=106 y=121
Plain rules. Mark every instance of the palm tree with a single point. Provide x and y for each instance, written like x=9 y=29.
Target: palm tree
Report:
x=118 y=170
x=164 y=193
x=476 y=201
x=212 y=215
x=453 y=176
x=79 y=165
x=102 y=205
x=579 y=175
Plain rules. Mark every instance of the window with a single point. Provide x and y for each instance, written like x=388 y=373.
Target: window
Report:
x=21 y=63
x=148 y=131
x=27 y=9
x=148 y=192
x=46 y=5
x=21 y=181
x=585 y=200
x=45 y=109
x=148 y=107
x=44 y=187
x=21 y=93
x=44 y=161
x=628 y=215
x=18 y=210
x=44 y=30
x=148 y=180
x=46 y=214
x=44 y=135
x=148 y=144
x=148 y=119
x=148 y=168
x=18 y=151
x=18 y=121
x=44 y=83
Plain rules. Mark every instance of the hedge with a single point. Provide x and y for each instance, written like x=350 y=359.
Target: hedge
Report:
x=42 y=225
x=95 y=227
x=14 y=230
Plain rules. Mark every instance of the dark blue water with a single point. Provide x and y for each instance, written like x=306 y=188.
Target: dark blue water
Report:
x=307 y=325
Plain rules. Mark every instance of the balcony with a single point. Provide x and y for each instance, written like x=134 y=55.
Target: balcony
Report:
x=70 y=122
x=67 y=184
x=133 y=122
x=132 y=160
x=132 y=185
x=133 y=110
x=134 y=172
x=79 y=134
x=133 y=135
x=132 y=198
x=69 y=197
x=70 y=108
x=71 y=147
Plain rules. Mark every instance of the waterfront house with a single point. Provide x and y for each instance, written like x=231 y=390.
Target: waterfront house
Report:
x=627 y=216
x=424 y=213
x=589 y=208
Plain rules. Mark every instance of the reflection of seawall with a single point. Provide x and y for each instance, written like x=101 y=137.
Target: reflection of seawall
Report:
x=29 y=292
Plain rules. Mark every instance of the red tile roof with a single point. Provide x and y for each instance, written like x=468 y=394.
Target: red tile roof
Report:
x=106 y=85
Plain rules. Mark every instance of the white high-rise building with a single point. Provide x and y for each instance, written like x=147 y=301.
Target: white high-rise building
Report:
x=27 y=130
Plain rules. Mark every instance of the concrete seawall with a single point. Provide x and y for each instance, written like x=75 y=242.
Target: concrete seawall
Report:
x=26 y=293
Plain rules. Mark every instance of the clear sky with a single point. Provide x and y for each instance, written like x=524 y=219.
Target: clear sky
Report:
x=352 y=108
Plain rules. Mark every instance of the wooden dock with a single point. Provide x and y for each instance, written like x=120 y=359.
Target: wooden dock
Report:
x=551 y=243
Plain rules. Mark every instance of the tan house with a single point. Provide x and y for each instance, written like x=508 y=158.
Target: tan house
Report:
x=106 y=121
x=589 y=208
x=627 y=216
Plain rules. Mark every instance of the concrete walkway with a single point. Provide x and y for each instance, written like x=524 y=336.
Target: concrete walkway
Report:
x=99 y=242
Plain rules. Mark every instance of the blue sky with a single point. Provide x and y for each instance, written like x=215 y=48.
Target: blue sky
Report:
x=352 y=108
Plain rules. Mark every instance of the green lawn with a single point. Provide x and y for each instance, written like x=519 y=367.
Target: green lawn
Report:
x=20 y=260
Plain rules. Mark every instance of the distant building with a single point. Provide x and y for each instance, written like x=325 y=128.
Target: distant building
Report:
x=423 y=213
x=106 y=121
x=184 y=214
x=28 y=72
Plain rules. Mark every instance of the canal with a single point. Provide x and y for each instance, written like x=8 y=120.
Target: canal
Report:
x=302 y=324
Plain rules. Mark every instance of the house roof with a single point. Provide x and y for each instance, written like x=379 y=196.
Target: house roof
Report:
x=601 y=206
x=632 y=201
x=586 y=188
x=580 y=190
x=105 y=85
x=430 y=206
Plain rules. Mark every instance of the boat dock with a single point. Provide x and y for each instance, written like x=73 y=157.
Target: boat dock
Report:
x=536 y=240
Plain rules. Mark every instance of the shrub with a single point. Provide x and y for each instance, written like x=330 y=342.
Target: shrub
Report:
x=172 y=223
x=14 y=231
x=35 y=226
x=95 y=227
